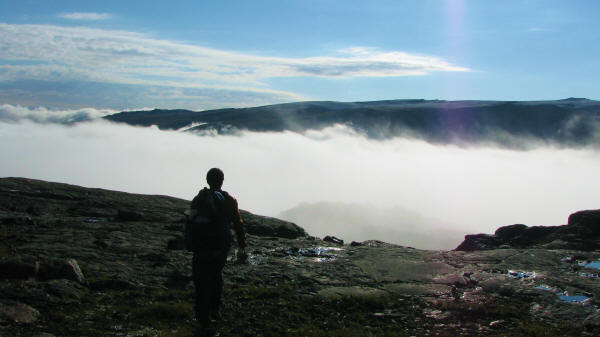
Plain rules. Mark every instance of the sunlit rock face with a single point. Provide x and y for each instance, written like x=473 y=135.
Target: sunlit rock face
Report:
x=80 y=261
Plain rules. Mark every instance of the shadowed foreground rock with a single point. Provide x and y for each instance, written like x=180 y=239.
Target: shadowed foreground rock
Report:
x=581 y=233
x=89 y=262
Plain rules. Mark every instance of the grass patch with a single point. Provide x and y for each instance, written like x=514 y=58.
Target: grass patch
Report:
x=262 y=310
x=535 y=329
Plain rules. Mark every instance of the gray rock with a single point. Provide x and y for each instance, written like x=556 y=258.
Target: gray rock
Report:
x=511 y=231
x=66 y=291
x=267 y=226
x=17 y=312
x=61 y=269
x=581 y=233
x=452 y=279
x=589 y=219
x=478 y=242
x=339 y=292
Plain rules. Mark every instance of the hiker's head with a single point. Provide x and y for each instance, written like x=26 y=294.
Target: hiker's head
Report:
x=214 y=178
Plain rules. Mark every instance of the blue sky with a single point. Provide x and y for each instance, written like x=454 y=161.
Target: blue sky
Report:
x=211 y=54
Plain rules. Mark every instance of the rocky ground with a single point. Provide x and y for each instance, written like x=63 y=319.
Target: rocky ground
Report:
x=89 y=262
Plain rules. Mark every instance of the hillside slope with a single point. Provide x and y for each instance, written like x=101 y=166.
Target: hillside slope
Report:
x=568 y=122
x=77 y=261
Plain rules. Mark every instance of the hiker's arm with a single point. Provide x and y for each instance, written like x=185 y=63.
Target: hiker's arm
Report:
x=233 y=213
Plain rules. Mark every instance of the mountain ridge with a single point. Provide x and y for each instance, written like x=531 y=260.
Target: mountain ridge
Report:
x=571 y=122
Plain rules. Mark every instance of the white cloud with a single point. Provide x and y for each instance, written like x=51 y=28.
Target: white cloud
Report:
x=475 y=189
x=133 y=58
x=85 y=16
x=11 y=113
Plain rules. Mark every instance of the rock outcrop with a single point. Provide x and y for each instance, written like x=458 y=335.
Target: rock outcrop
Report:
x=73 y=263
x=581 y=233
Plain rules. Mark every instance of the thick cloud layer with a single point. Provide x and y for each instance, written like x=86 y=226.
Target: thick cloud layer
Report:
x=466 y=189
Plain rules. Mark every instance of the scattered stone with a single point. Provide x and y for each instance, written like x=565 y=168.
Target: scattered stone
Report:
x=66 y=290
x=452 y=279
x=497 y=323
x=61 y=269
x=491 y=285
x=356 y=244
x=17 y=312
x=339 y=292
x=438 y=315
x=333 y=239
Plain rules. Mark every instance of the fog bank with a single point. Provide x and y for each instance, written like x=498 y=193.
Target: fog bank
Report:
x=468 y=189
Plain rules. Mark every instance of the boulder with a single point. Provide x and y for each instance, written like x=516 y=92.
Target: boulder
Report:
x=61 y=269
x=17 y=312
x=267 y=226
x=581 y=233
x=508 y=232
x=478 y=242
x=589 y=219
x=530 y=236
x=333 y=239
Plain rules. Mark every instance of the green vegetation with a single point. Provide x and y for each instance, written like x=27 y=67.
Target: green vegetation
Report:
x=263 y=310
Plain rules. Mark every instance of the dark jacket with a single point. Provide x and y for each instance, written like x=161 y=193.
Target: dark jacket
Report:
x=228 y=212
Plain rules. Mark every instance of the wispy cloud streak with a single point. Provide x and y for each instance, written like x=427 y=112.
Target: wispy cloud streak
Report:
x=85 y=16
x=128 y=57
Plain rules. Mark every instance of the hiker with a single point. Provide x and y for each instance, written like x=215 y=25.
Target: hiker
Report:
x=208 y=235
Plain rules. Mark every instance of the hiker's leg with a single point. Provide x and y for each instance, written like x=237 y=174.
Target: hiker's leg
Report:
x=217 y=286
x=202 y=275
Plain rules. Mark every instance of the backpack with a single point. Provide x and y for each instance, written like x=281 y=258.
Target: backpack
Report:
x=207 y=226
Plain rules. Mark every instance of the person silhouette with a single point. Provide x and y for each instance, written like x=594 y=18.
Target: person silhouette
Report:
x=215 y=210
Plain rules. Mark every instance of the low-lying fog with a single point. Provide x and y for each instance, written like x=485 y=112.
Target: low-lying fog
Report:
x=331 y=182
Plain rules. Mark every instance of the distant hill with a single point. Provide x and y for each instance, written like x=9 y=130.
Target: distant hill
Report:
x=567 y=122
